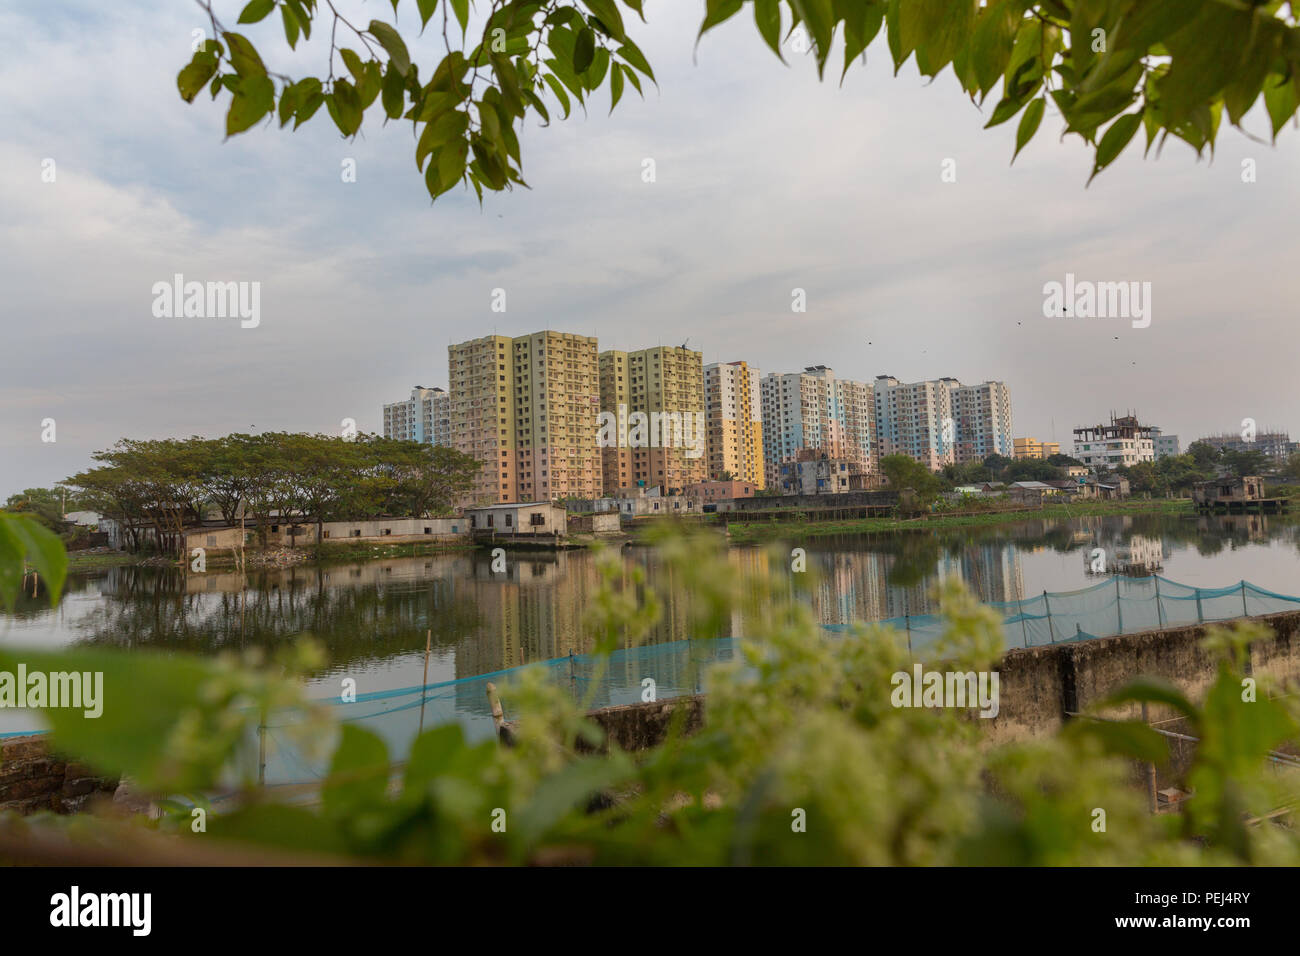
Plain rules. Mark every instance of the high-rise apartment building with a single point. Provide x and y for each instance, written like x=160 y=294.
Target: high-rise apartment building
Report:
x=942 y=422
x=981 y=419
x=423 y=417
x=916 y=419
x=815 y=410
x=557 y=405
x=526 y=409
x=653 y=401
x=734 y=410
x=482 y=413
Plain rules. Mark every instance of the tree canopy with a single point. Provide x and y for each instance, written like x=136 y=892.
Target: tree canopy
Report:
x=1107 y=68
x=167 y=484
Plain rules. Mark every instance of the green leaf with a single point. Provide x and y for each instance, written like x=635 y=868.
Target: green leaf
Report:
x=356 y=66
x=718 y=11
x=12 y=564
x=632 y=54
x=1123 y=738
x=427 y=9
x=394 y=93
x=290 y=99
x=461 y=9
x=301 y=15
x=451 y=162
x=195 y=75
x=767 y=17
x=310 y=100
x=953 y=29
x=252 y=100
x=607 y=12
x=290 y=20
x=243 y=56
x=1116 y=138
x=558 y=90
x=584 y=49
x=393 y=44
x=144 y=697
x=1029 y=125
x=861 y=24
x=1280 y=101
x=344 y=107
x=562 y=792
x=434 y=753
x=446 y=127
x=820 y=21
x=358 y=778
x=1153 y=690
x=1003 y=112
x=1205 y=57
x=372 y=80
x=256 y=10
x=993 y=40
x=615 y=88
x=633 y=79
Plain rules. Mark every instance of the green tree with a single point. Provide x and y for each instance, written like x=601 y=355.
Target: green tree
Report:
x=1203 y=453
x=43 y=504
x=903 y=472
x=1242 y=463
x=1106 y=68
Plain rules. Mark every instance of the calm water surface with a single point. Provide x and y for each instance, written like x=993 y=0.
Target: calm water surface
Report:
x=372 y=617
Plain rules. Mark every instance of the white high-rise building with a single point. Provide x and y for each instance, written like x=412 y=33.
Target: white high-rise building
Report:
x=942 y=422
x=814 y=409
x=423 y=417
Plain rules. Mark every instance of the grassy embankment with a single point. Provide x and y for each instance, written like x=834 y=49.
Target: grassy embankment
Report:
x=745 y=533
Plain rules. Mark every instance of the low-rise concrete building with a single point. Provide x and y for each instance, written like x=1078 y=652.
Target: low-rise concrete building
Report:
x=1229 y=493
x=607 y=522
x=521 y=519
x=711 y=492
x=822 y=475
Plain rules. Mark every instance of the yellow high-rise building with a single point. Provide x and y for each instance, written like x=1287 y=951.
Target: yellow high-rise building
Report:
x=526 y=409
x=481 y=413
x=734 y=408
x=655 y=400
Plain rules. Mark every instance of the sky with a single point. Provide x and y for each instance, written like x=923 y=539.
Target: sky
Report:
x=767 y=180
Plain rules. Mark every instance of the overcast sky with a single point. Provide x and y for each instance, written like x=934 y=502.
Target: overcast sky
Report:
x=767 y=180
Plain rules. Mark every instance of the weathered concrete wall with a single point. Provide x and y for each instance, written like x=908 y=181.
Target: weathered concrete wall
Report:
x=32 y=779
x=1038 y=685
x=606 y=523
x=641 y=726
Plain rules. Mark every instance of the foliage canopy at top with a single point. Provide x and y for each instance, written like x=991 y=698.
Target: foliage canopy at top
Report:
x=1108 y=67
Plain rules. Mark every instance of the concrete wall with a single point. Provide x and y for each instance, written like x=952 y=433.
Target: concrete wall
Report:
x=605 y=523
x=1039 y=684
x=388 y=530
x=31 y=779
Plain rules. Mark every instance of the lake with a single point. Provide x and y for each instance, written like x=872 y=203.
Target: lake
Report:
x=372 y=617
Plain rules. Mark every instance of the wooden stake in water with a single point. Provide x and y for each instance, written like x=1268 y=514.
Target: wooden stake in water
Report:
x=494 y=701
x=428 y=639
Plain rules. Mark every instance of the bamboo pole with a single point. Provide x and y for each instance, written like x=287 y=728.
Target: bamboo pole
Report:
x=424 y=681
